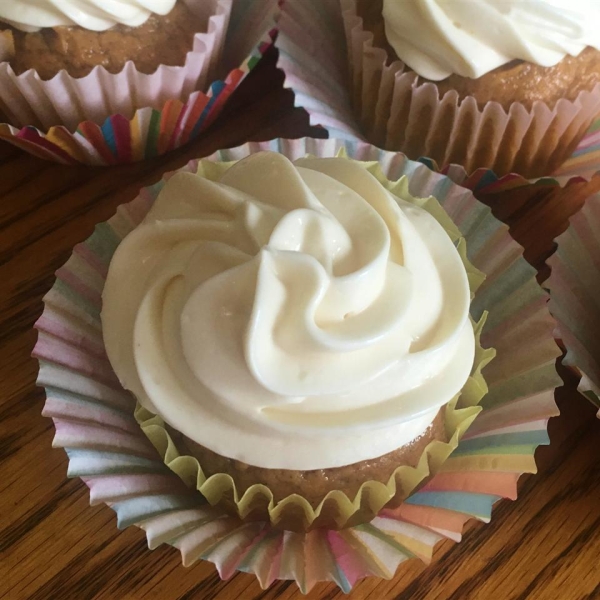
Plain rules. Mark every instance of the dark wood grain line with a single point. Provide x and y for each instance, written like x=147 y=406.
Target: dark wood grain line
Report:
x=549 y=571
x=275 y=591
x=16 y=531
x=205 y=589
x=90 y=584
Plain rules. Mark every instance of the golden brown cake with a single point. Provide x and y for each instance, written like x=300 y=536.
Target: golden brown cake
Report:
x=161 y=40
x=315 y=484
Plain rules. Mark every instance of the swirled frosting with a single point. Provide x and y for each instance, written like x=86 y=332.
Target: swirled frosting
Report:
x=95 y=15
x=438 y=38
x=289 y=315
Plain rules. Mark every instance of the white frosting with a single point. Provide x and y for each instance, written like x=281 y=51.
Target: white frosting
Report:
x=95 y=15
x=437 y=38
x=293 y=316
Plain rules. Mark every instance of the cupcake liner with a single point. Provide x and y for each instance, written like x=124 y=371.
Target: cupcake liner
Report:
x=107 y=449
x=379 y=102
x=220 y=488
x=574 y=285
x=94 y=120
x=64 y=100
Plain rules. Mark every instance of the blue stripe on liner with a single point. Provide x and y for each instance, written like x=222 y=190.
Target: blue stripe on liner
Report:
x=476 y=505
x=495 y=443
x=488 y=178
x=85 y=463
x=108 y=133
x=135 y=510
x=216 y=88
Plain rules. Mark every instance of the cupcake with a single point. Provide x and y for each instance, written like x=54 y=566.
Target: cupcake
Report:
x=506 y=85
x=95 y=424
x=63 y=63
x=297 y=336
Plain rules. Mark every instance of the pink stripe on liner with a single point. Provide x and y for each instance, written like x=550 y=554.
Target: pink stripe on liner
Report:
x=195 y=543
x=58 y=352
x=523 y=427
x=533 y=310
x=92 y=259
x=78 y=435
x=68 y=277
x=232 y=550
x=275 y=562
x=92 y=413
x=348 y=558
x=116 y=488
x=57 y=325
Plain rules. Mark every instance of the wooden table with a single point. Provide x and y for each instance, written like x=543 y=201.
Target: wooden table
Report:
x=55 y=546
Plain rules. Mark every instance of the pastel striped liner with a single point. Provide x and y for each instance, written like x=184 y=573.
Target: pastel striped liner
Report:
x=574 y=284
x=94 y=420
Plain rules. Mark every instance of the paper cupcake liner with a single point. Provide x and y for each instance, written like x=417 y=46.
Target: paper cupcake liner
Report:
x=294 y=510
x=107 y=449
x=105 y=119
x=574 y=286
x=64 y=100
x=379 y=102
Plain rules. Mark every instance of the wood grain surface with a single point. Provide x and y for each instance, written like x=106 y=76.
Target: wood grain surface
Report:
x=53 y=545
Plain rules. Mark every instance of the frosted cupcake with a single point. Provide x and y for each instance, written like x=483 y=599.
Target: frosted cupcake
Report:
x=297 y=335
x=104 y=57
x=507 y=85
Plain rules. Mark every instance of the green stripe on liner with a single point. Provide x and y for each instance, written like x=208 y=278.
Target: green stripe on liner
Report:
x=103 y=242
x=249 y=558
x=78 y=399
x=65 y=290
x=534 y=381
x=153 y=134
x=504 y=443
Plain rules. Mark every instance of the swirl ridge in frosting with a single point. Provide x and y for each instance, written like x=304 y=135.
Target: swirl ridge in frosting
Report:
x=438 y=38
x=289 y=315
x=94 y=15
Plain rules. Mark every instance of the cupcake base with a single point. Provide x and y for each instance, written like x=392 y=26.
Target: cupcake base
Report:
x=312 y=485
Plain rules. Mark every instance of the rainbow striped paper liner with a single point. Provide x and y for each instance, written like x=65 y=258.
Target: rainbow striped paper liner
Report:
x=150 y=132
x=94 y=418
x=574 y=286
x=317 y=73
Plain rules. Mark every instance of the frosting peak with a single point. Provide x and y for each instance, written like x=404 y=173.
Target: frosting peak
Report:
x=95 y=15
x=288 y=315
x=438 y=38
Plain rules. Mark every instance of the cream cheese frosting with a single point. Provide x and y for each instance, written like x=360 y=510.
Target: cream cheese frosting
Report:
x=95 y=15
x=438 y=38
x=289 y=315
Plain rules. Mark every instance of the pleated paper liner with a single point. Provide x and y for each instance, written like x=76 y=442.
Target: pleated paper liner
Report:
x=574 y=286
x=318 y=74
x=106 y=448
x=158 y=126
x=337 y=510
